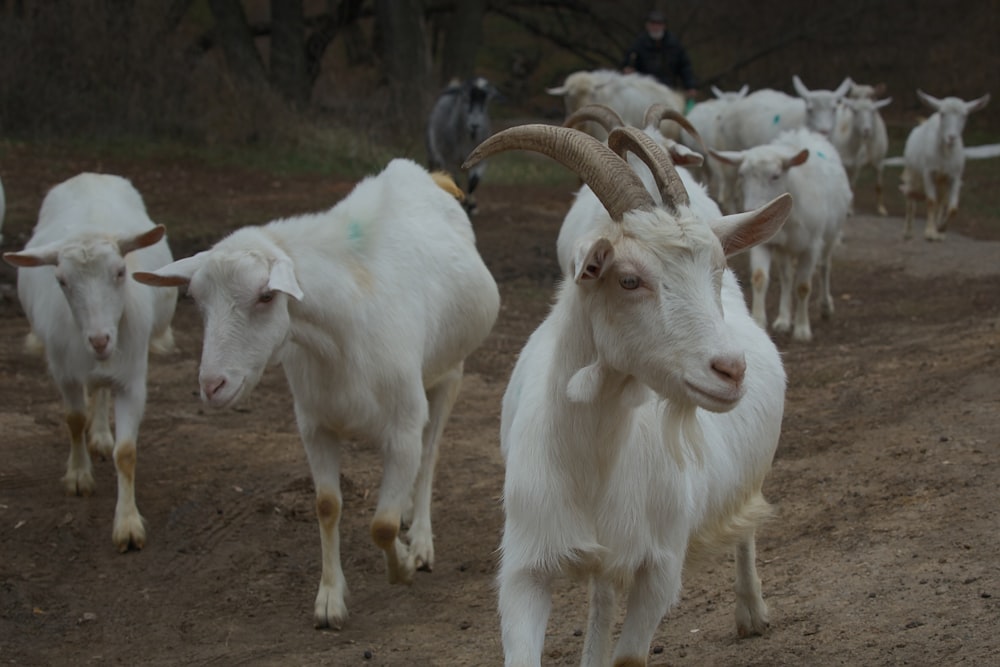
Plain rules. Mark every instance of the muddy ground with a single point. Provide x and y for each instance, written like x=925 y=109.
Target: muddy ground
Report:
x=886 y=481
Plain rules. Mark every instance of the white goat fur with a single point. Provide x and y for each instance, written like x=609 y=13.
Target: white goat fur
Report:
x=612 y=471
x=371 y=308
x=706 y=117
x=805 y=165
x=96 y=324
x=628 y=94
x=861 y=139
x=934 y=160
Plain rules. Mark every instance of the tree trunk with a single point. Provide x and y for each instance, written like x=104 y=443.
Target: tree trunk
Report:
x=288 y=52
x=462 y=39
x=405 y=59
x=233 y=34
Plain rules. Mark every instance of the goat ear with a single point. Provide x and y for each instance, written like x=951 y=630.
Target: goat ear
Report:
x=741 y=231
x=47 y=255
x=844 y=86
x=681 y=155
x=796 y=160
x=976 y=105
x=175 y=274
x=718 y=93
x=883 y=103
x=800 y=87
x=146 y=239
x=929 y=100
x=283 y=278
x=593 y=260
x=744 y=90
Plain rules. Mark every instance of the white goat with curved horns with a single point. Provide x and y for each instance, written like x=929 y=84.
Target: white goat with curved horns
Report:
x=934 y=160
x=642 y=415
x=96 y=325
x=371 y=308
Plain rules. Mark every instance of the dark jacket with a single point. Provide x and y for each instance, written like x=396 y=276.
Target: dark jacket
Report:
x=665 y=59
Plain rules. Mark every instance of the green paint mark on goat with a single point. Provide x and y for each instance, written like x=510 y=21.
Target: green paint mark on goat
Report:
x=354 y=230
x=777 y=118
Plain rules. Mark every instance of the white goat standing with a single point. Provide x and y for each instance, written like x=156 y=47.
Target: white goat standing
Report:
x=370 y=308
x=630 y=95
x=806 y=165
x=613 y=473
x=861 y=139
x=96 y=324
x=934 y=160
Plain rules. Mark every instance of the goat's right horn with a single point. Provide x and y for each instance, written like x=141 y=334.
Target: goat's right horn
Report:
x=672 y=190
x=608 y=176
x=657 y=113
x=601 y=114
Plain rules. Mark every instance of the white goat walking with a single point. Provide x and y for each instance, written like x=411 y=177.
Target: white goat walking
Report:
x=613 y=473
x=861 y=139
x=806 y=165
x=371 y=308
x=706 y=117
x=934 y=160
x=96 y=324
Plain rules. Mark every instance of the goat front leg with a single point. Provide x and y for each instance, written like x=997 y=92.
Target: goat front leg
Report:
x=656 y=588
x=931 y=232
x=524 y=602
x=79 y=477
x=825 y=271
x=786 y=278
x=597 y=644
x=440 y=400
x=879 y=203
x=129 y=528
x=100 y=441
x=954 y=189
x=323 y=451
x=760 y=268
x=751 y=610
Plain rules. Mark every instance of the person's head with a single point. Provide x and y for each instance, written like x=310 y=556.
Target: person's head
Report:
x=656 y=24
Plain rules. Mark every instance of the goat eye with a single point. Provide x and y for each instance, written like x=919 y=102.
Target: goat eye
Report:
x=629 y=282
x=266 y=297
x=61 y=280
x=120 y=274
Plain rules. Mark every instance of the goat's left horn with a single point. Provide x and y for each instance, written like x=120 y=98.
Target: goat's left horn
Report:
x=608 y=176
x=601 y=114
x=672 y=190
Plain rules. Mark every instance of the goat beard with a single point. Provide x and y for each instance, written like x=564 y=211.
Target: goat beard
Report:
x=682 y=434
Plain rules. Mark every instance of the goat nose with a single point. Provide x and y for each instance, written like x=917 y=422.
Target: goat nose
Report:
x=211 y=386
x=731 y=369
x=100 y=342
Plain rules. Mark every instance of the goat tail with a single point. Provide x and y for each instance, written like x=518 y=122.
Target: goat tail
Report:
x=726 y=529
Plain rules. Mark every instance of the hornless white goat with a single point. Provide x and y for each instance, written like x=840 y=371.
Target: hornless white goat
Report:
x=861 y=139
x=706 y=117
x=96 y=324
x=934 y=160
x=613 y=472
x=628 y=94
x=587 y=209
x=805 y=165
x=371 y=308
x=821 y=105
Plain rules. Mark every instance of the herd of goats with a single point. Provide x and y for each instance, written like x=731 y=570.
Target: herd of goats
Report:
x=643 y=413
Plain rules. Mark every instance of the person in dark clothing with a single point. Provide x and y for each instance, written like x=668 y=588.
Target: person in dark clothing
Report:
x=658 y=53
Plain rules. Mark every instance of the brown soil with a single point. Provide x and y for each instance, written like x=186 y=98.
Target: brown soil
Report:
x=886 y=479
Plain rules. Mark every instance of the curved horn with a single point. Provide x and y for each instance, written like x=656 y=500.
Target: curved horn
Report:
x=601 y=114
x=660 y=112
x=612 y=181
x=672 y=190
